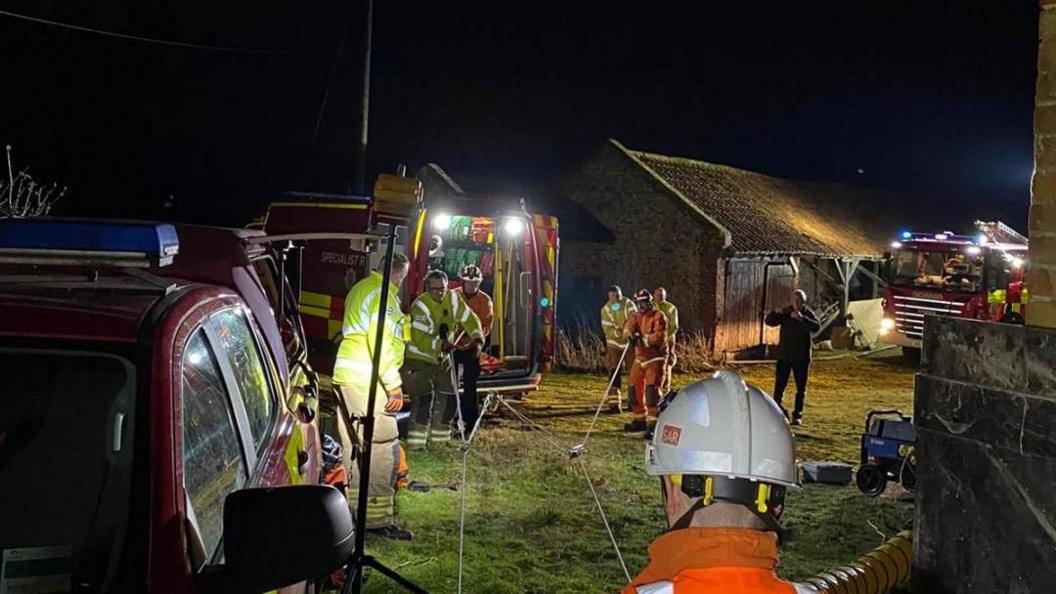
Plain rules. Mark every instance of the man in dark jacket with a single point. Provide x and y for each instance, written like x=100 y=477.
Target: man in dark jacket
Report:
x=798 y=323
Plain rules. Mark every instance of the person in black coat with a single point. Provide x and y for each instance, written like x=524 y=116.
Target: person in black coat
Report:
x=798 y=323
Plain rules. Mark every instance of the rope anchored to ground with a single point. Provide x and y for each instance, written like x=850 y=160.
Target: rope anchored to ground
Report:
x=491 y=404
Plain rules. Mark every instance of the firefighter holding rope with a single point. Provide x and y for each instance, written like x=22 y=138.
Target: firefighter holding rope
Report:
x=647 y=328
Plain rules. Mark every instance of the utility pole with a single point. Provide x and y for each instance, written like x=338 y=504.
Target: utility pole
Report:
x=361 y=169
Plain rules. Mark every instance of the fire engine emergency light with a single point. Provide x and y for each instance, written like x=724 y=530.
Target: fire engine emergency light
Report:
x=77 y=242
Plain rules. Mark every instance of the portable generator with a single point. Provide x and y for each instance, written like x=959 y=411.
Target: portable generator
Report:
x=887 y=452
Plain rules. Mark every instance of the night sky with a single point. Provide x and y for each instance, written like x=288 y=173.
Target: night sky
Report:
x=933 y=102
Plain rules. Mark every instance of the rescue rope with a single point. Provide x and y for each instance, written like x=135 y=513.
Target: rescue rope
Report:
x=466 y=443
x=604 y=519
x=491 y=404
x=546 y=435
x=605 y=396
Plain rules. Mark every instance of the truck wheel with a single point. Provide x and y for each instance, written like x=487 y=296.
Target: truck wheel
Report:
x=871 y=480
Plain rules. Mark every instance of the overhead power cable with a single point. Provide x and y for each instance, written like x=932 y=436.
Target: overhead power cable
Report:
x=140 y=38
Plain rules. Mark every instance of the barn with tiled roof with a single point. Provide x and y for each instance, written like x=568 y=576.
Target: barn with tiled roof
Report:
x=728 y=244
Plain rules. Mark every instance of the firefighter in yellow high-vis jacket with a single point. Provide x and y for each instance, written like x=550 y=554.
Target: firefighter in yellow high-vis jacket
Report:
x=436 y=316
x=352 y=373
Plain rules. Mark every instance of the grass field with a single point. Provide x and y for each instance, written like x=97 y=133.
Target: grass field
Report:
x=532 y=525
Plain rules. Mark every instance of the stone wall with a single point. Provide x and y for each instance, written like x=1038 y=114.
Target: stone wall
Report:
x=1042 y=276
x=658 y=241
x=986 y=459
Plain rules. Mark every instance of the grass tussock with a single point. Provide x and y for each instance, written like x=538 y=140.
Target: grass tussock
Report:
x=581 y=348
x=531 y=522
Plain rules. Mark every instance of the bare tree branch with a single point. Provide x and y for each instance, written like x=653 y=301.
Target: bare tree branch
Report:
x=23 y=196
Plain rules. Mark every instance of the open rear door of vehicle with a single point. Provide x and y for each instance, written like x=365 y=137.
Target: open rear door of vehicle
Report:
x=548 y=245
x=331 y=231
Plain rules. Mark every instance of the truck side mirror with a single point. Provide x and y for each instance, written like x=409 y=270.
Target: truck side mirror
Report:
x=275 y=537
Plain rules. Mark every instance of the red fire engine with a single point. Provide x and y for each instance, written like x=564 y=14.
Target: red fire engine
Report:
x=978 y=277
x=517 y=251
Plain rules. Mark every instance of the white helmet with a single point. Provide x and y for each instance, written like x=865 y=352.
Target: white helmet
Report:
x=723 y=440
x=723 y=427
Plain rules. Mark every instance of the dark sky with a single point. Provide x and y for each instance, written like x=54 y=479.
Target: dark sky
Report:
x=930 y=99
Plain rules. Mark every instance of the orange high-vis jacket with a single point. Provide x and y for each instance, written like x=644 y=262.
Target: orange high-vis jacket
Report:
x=709 y=560
x=480 y=304
x=652 y=325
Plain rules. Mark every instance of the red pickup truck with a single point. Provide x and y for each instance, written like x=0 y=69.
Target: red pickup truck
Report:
x=156 y=425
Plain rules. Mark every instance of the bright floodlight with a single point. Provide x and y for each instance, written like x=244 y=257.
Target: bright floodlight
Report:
x=973 y=250
x=886 y=325
x=982 y=239
x=896 y=244
x=1017 y=262
x=441 y=222
x=513 y=226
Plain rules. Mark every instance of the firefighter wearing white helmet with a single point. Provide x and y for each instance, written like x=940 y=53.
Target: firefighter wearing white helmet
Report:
x=725 y=456
x=647 y=327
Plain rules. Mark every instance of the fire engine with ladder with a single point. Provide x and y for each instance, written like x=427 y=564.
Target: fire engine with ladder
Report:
x=979 y=277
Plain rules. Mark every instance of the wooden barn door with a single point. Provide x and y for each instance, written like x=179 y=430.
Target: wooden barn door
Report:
x=780 y=279
x=742 y=299
x=752 y=288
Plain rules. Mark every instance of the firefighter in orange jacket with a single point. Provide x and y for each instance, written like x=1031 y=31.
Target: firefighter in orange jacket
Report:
x=648 y=328
x=725 y=456
x=467 y=352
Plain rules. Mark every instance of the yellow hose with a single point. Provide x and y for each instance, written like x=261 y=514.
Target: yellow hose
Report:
x=876 y=572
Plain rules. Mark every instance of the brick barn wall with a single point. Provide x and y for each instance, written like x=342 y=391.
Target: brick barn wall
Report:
x=1042 y=275
x=658 y=241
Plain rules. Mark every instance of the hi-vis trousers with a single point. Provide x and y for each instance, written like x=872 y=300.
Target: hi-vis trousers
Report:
x=384 y=461
x=646 y=377
x=431 y=392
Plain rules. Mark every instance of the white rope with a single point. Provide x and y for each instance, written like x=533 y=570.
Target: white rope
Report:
x=605 y=395
x=605 y=520
x=466 y=443
x=549 y=437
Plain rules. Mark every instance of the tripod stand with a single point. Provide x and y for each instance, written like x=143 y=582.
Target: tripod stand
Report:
x=359 y=560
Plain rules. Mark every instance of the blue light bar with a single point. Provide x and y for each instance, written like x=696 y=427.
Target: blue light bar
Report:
x=78 y=241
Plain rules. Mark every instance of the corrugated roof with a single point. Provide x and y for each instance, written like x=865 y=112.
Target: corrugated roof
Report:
x=770 y=215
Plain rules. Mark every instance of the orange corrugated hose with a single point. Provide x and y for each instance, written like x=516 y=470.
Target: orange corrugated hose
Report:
x=875 y=572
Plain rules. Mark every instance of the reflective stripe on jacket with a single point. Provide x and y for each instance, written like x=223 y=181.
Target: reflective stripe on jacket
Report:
x=359 y=331
x=613 y=317
x=427 y=316
x=481 y=304
x=671 y=313
x=706 y=560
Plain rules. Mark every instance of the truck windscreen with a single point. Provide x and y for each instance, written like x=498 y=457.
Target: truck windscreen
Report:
x=65 y=467
x=945 y=271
